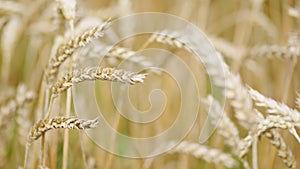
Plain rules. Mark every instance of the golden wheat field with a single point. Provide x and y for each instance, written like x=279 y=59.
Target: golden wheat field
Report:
x=149 y=84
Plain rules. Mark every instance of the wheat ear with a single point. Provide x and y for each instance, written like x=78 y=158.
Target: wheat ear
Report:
x=66 y=50
x=171 y=38
x=275 y=108
x=282 y=150
x=205 y=153
x=291 y=50
x=264 y=126
x=42 y=126
x=225 y=127
x=94 y=73
x=9 y=110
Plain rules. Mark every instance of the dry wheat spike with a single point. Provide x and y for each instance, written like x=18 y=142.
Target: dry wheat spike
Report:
x=266 y=126
x=171 y=38
x=66 y=50
x=94 y=73
x=9 y=110
x=208 y=154
x=291 y=50
x=282 y=150
x=225 y=127
x=42 y=126
x=275 y=108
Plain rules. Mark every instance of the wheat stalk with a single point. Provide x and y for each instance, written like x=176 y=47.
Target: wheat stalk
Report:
x=66 y=50
x=94 y=73
x=208 y=154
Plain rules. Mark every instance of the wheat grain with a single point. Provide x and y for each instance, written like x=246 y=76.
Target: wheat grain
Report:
x=65 y=51
x=205 y=153
x=42 y=126
x=94 y=73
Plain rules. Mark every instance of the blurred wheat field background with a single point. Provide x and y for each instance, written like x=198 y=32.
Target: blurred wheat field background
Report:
x=50 y=50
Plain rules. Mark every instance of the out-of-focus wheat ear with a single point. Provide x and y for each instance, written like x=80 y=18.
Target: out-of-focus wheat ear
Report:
x=282 y=150
x=67 y=50
x=96 y=73
x=234 y=89
x=240 y=101
x=291 y=50
x=227 y=48
x=23 y=95
x=10 y=34
x=68 y=8
x=122 y=53
x=172 y=38
x=225 y=127
x=9 y=110
x=275 y=108
x=42 y=126
x=204 y=152
x=12 y=7
x=43 y=167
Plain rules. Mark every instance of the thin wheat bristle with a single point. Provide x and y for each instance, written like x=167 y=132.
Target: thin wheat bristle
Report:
x=66 y=50
x=42 y=126
x=208 y=154
x=96 y=73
